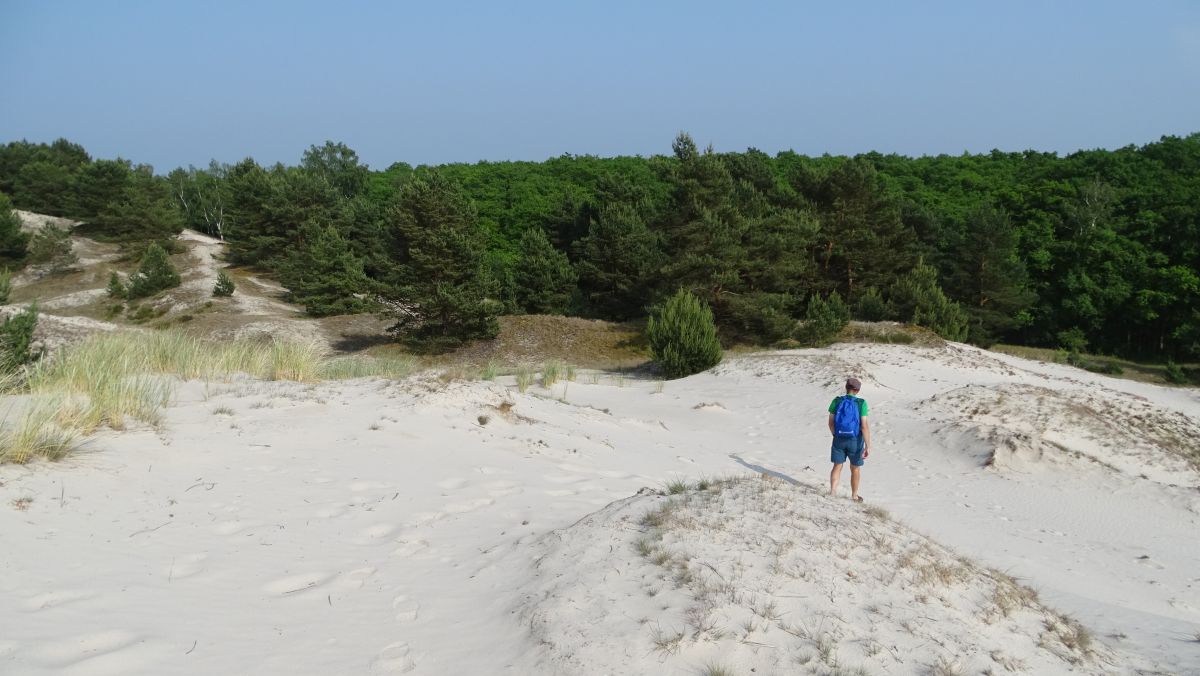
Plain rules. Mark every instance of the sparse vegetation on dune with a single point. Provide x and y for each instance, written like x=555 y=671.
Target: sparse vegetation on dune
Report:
x=736 y=564
x=110 y=380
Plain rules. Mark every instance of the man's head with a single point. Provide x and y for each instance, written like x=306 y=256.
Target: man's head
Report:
x=853 y=385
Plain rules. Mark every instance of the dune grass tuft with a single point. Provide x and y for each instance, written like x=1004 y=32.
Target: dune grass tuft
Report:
x=524 y=378
x=113 y=379
x=552 y=372
x=42 y=430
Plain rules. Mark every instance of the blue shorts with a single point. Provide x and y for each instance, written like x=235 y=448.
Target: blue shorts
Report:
x=848 y=447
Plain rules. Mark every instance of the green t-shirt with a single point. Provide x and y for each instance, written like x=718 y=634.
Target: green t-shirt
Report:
x=862 y=405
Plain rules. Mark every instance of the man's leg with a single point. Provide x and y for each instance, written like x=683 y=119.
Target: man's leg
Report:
x=835 y=475
x=854 y=477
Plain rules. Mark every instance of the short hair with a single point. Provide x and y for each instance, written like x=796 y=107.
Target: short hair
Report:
x=853 y=384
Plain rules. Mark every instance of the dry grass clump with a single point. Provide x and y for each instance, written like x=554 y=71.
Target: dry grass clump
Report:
x=113 y=379
x=524 y=378
x=552 y=371
x=348 y=368
x=715 y=669
x=40 y=431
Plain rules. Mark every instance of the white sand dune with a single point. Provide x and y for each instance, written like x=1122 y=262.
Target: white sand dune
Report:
x=426 y=528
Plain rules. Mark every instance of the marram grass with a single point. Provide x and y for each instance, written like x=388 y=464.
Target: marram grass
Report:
x=39 y=431
x=113 y=379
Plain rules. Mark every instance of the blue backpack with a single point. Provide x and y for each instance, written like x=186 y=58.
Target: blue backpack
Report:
x=847 y=421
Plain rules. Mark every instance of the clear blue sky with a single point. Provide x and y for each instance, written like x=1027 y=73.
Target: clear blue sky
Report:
x=175 y=82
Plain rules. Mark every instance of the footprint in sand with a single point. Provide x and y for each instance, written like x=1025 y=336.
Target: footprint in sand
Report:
x=422 y=518
x=373 y=534
x=355 y=579
x=561 y=493
x=452 y=484
x=329 y=512
x=184 y=567
x=395 y=658
x=69 y=651
x=506 y=491
x=56 y=598
x=468 y=506
x=234 y=527
x=294 y=584
x=409 y=547
x=361 y=486
x=564 y=478
x=406 y=609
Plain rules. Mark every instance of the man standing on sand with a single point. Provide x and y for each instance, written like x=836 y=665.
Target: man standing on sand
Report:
x=851 y=436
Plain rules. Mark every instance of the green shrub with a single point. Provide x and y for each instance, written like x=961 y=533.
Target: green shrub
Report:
x=51 y=246
x=224 y=286
x=115 y=288
x=16 y=339
x=154 y=274
x=683 y=337
x=917 y=298
x=1072 y=340
x=870 y=306
x=824 y=319
x=13 y=242
x=757 y=317
x=945 y=317
x=1175 y=374
x=5 y=286
x=1105 y=367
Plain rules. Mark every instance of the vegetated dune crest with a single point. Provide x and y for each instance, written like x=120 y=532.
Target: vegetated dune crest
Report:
x=755 y=575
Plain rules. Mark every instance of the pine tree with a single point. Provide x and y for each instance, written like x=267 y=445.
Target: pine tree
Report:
x=5 y=286
x=438 y=292
x=51 y=247
x=824 y=319
x=683 y=336
x=324 y=275
x=115 y=288
x=988 y=276
x=917 y=298
x=545 y=279
x=154 y=274
x=863 y=240
x=145 y=209
x=16 y=339
x=224 y=286
x=13 y=242
x=618 y=260
x=870 y=306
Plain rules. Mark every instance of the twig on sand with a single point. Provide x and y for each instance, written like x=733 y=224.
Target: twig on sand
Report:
x=714 y=570
x=150 y=530
x=208 y=485
x=189 y=651
x=310 y=585
x=62 y=494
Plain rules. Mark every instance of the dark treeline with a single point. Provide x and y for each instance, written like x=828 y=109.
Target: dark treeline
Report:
x=1098 y=250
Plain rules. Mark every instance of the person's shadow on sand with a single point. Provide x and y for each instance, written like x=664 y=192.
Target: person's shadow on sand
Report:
x=763 y=470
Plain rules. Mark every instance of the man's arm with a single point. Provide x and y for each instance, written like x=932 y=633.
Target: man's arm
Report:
x=831 y=424
x=866 y=430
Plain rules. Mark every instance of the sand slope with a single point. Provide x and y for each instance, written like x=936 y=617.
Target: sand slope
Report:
x=375 y=527
x=763 y=576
